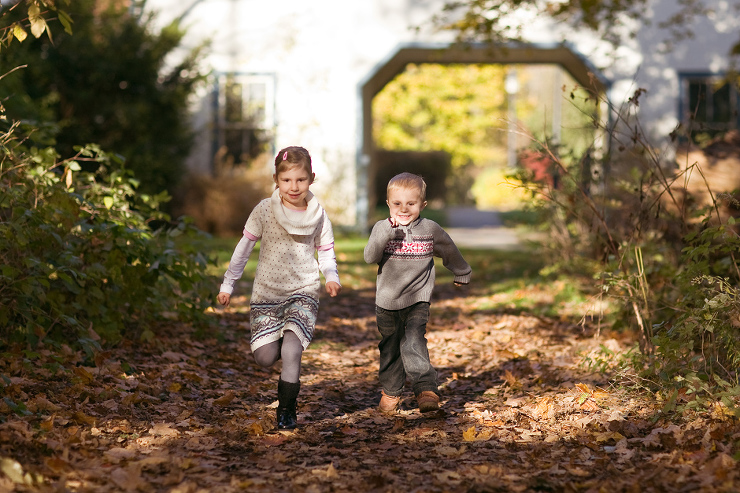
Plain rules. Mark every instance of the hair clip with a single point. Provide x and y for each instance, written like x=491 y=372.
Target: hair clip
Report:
x=285 y=155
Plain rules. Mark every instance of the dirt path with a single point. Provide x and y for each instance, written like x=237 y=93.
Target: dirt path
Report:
x=185 y=415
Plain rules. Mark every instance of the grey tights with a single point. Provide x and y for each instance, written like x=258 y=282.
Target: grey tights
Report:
x=290 y=349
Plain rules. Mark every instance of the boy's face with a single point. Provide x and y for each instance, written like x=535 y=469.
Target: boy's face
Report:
x=405 y=205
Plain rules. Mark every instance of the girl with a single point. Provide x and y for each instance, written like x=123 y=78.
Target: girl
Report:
x=285 y=296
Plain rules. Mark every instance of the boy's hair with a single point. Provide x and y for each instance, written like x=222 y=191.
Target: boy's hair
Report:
x=408 y=181
x=293 y=157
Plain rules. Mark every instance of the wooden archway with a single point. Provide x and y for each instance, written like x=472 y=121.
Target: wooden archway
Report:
x=442 y=53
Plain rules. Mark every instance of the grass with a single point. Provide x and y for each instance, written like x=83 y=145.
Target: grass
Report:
x=503 y=280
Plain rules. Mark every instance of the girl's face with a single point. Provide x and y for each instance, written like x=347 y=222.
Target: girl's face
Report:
x=405 y=205
x=293 y=185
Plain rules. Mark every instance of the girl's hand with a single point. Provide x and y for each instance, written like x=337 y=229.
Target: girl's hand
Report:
x=224 y=298
x=333 y=288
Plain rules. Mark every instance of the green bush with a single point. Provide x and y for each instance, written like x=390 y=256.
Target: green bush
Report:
x=664 y=252
x=78 y=252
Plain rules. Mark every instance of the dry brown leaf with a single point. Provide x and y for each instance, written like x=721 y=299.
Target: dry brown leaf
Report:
x=164 y=430
x=85 y=375
x=56 y=464
x=225 y=399
x=272 y=440
x=48 y=424
x=545 y=408
x=510 y=379
x=128 y=479
x=589 y=405
x=83 y=418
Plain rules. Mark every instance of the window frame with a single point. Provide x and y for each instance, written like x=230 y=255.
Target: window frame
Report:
x=266 y=123
x=709 y=125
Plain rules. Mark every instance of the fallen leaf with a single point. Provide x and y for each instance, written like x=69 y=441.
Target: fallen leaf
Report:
x=469 y=434
x=85 y=375
x=174 y=357
x=225 y=399
x=164 y=430
x=83 y=418
x=13 y=470
x=273 y=440
x=589 y=405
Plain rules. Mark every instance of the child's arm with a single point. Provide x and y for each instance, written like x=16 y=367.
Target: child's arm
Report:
x=445 y=248
x=328 y=267
x=236 y=267
x=382 y=233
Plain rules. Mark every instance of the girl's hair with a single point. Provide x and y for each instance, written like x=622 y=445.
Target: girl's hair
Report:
x=408 y=181
x=293 y=157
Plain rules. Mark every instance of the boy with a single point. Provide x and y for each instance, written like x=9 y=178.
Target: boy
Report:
x=403 y=246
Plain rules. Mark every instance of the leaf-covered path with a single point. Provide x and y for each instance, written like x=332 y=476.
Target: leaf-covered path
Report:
x=186 y=415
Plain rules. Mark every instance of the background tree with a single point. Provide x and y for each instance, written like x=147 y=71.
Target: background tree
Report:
x=463 y=110
x=451 y=108
x=108 y=84
x=495 y=21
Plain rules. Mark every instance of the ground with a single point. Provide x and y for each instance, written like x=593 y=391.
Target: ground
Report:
x=522 y=410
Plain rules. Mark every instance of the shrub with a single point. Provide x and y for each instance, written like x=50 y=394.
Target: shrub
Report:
x=78 y=254
x=661 y=249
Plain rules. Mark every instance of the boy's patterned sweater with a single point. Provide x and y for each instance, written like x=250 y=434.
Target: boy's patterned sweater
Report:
x=405 y=261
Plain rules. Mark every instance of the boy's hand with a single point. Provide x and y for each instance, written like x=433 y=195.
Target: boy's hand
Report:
x=460 y=284
x=394 y=222
x=333 y=288
x=224 y=298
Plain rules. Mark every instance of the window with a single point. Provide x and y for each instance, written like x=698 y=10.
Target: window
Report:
x=710 y=104
x=245 y=117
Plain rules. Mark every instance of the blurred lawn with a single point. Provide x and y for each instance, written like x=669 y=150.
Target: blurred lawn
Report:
x=503 y=280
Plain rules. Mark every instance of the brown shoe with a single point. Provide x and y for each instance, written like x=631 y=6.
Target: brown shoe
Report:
x=428 y=401
x=388 y=403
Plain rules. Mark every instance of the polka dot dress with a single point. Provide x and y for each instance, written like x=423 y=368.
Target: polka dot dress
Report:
x=285 y=294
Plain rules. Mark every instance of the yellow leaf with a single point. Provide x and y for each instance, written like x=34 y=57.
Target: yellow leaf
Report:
x=19 y=33
x=48 y=425
x=257 y=428
x=174 y=387
x=469 y=434
x=583 y=388
x=38 y=24
x=609 y=435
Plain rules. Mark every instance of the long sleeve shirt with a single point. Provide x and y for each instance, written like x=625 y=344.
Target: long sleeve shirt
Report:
x=405 y=258
x=289 y=241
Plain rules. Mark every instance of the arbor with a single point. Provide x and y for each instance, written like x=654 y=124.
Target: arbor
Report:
x=109 y=84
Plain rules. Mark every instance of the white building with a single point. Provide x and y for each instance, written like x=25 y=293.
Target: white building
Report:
x=308 y=70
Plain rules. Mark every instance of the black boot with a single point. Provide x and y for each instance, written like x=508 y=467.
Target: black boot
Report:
x=286 y=410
